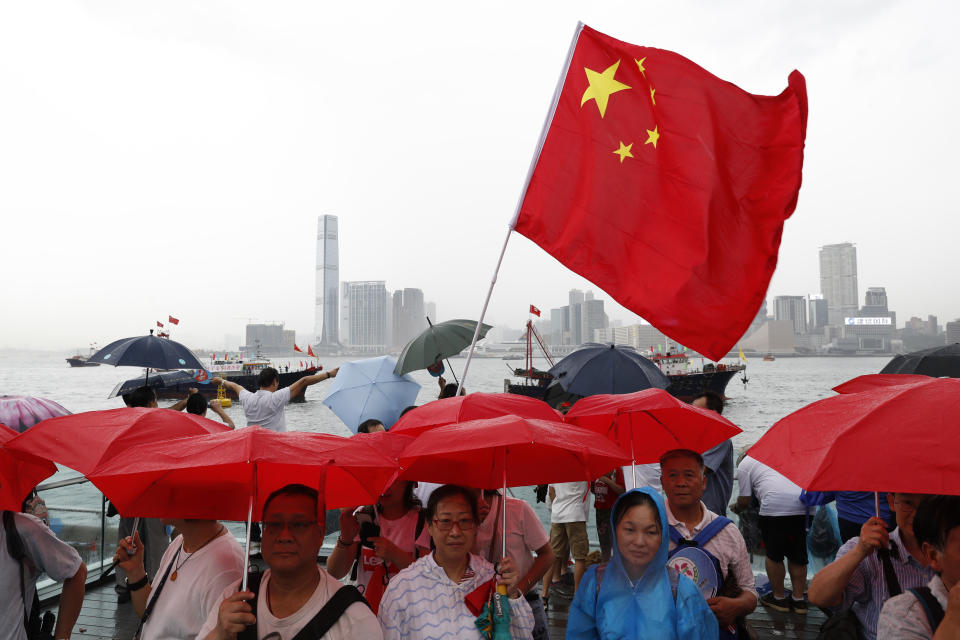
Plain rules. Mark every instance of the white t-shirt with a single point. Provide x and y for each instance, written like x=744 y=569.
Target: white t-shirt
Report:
x=185 y=603
x=525 y=534
x=648 y=475
x=355 y=623
x=49 y=554
x=778 y=496
x=569 y=504
x=400 y=532
x=265 y=408
x=423 y=491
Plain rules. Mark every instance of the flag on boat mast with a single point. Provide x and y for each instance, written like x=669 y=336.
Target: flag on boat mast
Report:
x=534 y=311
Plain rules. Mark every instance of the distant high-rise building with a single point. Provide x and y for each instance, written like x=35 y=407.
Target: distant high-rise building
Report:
x=592 y=317
x=431 y=310
x=409 y=316
x=792 y=309
x=875 y=298
x=575 y=297
x=366 y=317
x=953 y=331
x=345 y=313
x=327 y=309
x=818 y=314
x=269 y=338
x=838 y=281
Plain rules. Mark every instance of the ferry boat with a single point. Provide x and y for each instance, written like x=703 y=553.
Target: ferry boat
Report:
x=81 y=360
x=244 y=372
x=687 y=381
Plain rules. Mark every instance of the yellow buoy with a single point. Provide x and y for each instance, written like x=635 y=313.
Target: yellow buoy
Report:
x=222 y=397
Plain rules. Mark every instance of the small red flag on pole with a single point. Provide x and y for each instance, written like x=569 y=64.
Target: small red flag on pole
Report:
x=172 y=320
x=159 y=324
x=296 y=348
x=534 y=311
x=310 y=352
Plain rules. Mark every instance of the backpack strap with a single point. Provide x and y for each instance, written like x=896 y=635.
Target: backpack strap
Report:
x=675 y=535
x=330 y=613
x=713 y=528
x=253 y=584
x=154 y=596
x=930 y=606
x=893 y=585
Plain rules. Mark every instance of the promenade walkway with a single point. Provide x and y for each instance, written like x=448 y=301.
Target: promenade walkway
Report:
x=102 y=617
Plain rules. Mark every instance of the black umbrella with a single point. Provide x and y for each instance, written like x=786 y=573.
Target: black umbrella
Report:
x=147 y=351
x=607 y=368
x=937 y=362
x=157 y=380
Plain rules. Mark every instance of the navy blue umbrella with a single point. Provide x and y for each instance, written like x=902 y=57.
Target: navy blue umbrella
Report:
x=607 y=368
x=147 y=351
x=158 y=380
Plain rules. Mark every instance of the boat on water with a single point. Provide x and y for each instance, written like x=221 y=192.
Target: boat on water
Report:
x=686 y=380
x=81 y=360
x=768 y=357
x=243 y=371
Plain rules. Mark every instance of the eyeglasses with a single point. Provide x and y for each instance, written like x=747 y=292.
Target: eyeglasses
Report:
x=296 y=527
x=445 y=524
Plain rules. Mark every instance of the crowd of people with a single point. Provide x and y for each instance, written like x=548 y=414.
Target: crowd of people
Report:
x=435 y=561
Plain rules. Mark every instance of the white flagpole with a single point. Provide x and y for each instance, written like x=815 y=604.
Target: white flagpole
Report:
x=523 y=194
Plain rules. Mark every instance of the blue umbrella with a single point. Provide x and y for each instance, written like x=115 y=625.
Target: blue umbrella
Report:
x=605 y=368
x=147 y=351
x=157 y=380
x=365 y=389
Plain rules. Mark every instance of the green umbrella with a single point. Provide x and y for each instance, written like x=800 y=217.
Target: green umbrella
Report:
x=438 y=341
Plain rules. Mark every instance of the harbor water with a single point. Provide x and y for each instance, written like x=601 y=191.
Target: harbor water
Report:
x=774 y=389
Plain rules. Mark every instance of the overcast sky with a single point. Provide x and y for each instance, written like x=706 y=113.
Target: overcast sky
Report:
x=172 y=157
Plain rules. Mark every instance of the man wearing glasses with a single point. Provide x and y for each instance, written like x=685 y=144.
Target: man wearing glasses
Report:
x=858 y=581
x=294 y=594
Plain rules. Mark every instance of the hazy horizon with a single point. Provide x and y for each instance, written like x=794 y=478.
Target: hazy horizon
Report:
x=172 y=159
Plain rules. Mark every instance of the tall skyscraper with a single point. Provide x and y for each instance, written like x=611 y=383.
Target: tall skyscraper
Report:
x=409 y=316
x=365 y=321
x=838 y=281
x=327 y=309
x=818 y=314
x=793 y=309
x=431 y=311
x=592 y=316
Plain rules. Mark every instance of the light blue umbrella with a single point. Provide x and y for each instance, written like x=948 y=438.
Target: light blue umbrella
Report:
x=365 y=389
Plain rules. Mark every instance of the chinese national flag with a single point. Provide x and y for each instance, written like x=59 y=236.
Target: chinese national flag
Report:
x=310 y=352
x=172 y=320
x=159 y=324
x=667 y=187
x=534 y=311
x=296 y=348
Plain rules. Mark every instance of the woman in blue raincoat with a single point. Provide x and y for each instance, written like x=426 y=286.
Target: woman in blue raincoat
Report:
x=636 y=595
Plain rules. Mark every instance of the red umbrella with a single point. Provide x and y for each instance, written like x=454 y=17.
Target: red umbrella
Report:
x=902 y=438
x=215 y=475
x=509 y=451
x=386 y=442
x=651 y=422
x=878 y=380
x=230 y=475
x=474 y=406
x=80 y=441
x=19 y=472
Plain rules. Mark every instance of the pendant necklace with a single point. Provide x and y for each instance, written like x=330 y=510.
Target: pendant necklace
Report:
x=179 y=565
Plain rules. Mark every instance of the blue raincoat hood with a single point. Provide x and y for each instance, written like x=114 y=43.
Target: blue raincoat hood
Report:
x=646 y=608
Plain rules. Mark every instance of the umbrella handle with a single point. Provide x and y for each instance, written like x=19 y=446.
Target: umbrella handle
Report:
x=246 y=553
x=136 y=524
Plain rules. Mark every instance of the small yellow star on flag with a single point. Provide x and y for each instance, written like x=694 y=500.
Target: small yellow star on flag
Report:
x=640 y=65
x=652 y=99
x=624 y=151
x=601 y=86
x=653 y=136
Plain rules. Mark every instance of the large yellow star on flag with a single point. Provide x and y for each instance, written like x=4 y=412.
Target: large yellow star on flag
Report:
x=653 y=136
x=601 y=86
x=624 y=151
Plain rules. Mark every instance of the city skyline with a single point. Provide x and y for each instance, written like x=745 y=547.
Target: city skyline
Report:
x=235 y=127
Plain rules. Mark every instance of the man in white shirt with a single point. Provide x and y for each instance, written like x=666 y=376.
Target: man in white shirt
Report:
x=569 y=510
x=24 y=536
x=783 y=528
x=294 y=591
x=195 y=569
x=266 y=407
x=684 y=481
x=527 y=543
